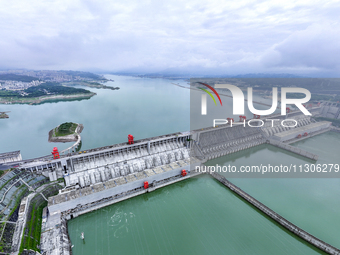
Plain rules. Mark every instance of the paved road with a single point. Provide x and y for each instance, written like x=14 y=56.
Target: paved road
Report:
x=8 y=165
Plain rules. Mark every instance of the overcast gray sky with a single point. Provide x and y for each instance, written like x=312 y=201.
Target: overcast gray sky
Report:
x=230 y=37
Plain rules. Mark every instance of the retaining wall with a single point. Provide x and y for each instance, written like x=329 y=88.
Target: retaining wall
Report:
x=279 y=219
x=293 y=149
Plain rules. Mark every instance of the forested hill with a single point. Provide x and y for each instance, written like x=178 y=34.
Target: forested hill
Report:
x=15 y=77
x=47 y=88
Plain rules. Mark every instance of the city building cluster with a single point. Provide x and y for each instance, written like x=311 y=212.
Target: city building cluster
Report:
x=18 y=85
x=41 y=77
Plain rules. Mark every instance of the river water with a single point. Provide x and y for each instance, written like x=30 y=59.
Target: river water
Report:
x=310 y=203
x=142 y=107
x=198 y=216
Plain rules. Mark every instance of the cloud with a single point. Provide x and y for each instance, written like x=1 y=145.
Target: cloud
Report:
x=315 y=47
x=216 y=36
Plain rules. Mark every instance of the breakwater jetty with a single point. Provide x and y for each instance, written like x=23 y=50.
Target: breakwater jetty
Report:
x=278 y=218
x=293 y=149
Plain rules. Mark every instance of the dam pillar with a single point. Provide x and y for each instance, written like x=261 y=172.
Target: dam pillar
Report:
x=67 y=180
x=71 y=164
x=50 y=175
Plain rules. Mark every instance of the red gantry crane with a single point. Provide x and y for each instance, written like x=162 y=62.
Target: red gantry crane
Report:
x=130 y=139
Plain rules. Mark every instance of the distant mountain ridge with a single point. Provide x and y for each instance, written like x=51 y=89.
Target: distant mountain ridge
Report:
x=188 y=75
x=267 y=75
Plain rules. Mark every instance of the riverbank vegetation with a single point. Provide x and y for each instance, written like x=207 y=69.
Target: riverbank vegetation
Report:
x=33 y=228
x=66 y=132
x=47 y=88
x=32 y=231
x=15 y=77
x=91 y=84
x=67 y=128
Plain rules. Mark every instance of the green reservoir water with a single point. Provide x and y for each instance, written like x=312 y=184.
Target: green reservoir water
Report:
x=310 y=203
x=198 y=216
x=142 y=107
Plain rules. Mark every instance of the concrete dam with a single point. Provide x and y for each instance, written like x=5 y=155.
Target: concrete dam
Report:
x=99 y=177
x=89 y=175
x=153 y=155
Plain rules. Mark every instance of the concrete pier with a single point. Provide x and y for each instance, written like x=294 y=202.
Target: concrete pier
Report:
x=293 y=149
x=335 y=129
x=293 y=133
x=308 y=136
x=10 y=157
x=279 y=219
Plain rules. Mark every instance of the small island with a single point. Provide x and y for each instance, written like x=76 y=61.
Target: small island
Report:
x=3 y=115
x=66 y=132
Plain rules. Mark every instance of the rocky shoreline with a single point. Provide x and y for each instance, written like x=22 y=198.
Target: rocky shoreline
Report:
x=39 y=100
x=66 y=138
x=3 y=116
x=95 y=84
